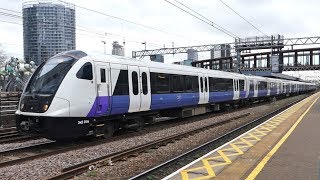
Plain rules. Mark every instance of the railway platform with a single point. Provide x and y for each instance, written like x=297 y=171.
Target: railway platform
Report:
x=286 y=146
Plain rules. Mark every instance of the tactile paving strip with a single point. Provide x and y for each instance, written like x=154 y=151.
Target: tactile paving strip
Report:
x=214 y=162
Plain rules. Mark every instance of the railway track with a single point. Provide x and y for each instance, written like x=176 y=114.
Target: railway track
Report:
x=22 y=154
x=109 y=159
x=14 y=136
x=114 y=157
x=10 y=129
x=8 y=106
x=173 y=164
x=44 y=149
x=27 y=153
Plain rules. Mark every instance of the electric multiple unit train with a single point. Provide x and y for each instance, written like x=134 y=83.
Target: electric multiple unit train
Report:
x=73 y=94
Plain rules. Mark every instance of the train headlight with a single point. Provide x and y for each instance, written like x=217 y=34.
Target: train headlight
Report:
x=45 y=107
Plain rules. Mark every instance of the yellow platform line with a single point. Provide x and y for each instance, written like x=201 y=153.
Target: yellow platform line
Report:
x=253 y=136
x=264 y=132
x=265 y=128
x=278 y=120
x=244 y=142
x=208 y=168
x=237 y=149
x=264 y=161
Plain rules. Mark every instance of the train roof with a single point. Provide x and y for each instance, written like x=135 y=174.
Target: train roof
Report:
x=158 y=65
x=175 y=67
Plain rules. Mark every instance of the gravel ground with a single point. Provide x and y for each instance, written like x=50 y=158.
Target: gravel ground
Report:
x=8 y=146
x=46 y=167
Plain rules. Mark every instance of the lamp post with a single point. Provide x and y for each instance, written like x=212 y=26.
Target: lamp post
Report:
x=104 y=46
x=145 y=45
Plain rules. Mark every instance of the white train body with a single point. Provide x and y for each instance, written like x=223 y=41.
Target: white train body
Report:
x=74 y=94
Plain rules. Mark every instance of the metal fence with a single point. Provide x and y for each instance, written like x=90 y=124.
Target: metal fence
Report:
x=8 y=106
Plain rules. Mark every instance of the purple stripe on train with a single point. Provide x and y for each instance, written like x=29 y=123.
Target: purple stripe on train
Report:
x=99 y=107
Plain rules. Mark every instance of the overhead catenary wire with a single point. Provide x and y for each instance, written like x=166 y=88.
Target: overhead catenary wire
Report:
x=129 y=21
x=10 y=15
x=10 y=22
x=243 y=18
x=80 y=28
x=96 y=34
x=206 y=18
x=201 y=19
x=10 y=10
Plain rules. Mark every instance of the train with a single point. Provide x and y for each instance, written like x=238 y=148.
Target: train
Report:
x=74 y=95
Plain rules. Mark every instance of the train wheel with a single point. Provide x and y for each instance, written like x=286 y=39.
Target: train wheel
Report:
x=108 y=129
x=150 y=119
x=140 y=124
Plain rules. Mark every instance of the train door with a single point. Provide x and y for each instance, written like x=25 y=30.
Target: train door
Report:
x=102 y=78
x=247 y=87
x=139 y=88
x=145 y=89
x=255 y=91
x=134 y=90
x=201 y=89
x=268 y=88
x=236 y=92
x=206 y=88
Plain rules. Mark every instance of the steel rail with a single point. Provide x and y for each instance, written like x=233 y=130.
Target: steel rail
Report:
x=72 y=171
x=34 y=149
x=15 y=136
x=246 y=127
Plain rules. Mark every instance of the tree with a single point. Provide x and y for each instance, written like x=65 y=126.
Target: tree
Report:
x=3 y=57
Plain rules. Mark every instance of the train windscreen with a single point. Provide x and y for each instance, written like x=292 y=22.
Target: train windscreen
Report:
x=49 y=75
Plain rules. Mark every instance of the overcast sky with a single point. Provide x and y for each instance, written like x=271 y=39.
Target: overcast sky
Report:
x=291 y=18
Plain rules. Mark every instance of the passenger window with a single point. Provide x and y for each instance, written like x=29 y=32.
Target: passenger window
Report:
x=160 y=83
x=103 y=75
x=211 y=84
x=85 y=72
x=205 y=84
x=135 y=87
x=251 y=85
x=241 y=84
x=195 y=84
x=188 y=84
x=201 y=84
x=177 y=83
x=144 y=83
x=122 y=86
